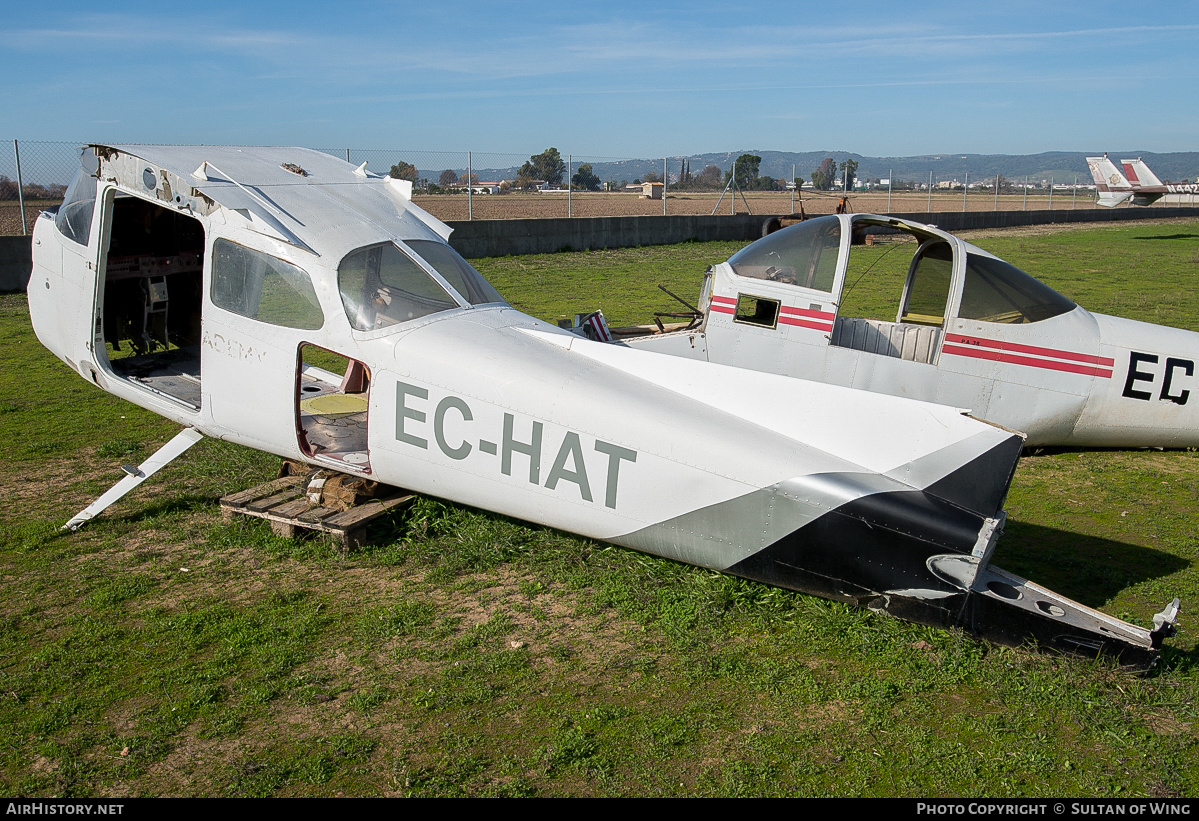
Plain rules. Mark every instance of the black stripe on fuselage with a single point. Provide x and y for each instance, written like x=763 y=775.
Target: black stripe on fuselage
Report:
x=982 y=483
x=869 y=545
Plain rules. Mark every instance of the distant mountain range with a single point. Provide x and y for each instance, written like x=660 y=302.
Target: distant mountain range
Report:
x=1061 y=166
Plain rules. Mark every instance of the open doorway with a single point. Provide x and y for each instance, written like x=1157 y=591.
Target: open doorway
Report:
x=153 y=290
x=332 y=401
x=895 y=296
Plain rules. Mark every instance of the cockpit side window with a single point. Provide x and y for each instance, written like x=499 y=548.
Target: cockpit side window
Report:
x=804 y=255
x=262 y=287
x=995 y=291
x=468 y=282
x=74 y=217
x=381 y=285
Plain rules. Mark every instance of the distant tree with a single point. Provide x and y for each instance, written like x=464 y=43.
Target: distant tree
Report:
x=8 y=189
x=474 y=179
x=448 y=178
x=546 y=166
x=849 y=171
x=825 y=173
x=746 y=169
x=585 y=179
x=404 y=171
x=652 y=176
x=709 y=177
x=685 y=175
x=505 y=186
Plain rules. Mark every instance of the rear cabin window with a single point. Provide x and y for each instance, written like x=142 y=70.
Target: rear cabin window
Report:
x=262 y=287
x=804 y=255
x=998 y=292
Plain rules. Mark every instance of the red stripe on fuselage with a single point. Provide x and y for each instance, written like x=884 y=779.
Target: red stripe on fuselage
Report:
x=805 y=323
x=724 y=305
x=808 y=312
x=983 y=342
x=1049 y=364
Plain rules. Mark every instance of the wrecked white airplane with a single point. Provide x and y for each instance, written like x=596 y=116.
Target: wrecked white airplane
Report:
x=1137 y=183
x=961 y=327
x=281 y=299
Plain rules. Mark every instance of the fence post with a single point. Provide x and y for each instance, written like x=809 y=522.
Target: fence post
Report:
x=20 y=188
x=930 y=192
x=1051 y=193
x=965 y=186
x=470 y=188
x=569 y=161
x=890 y=174
x=664 y=185
x=996 y=207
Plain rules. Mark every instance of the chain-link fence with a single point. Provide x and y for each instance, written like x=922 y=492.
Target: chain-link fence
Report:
x=461 y=185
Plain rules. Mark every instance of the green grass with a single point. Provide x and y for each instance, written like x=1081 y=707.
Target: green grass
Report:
x=621 y=282
x=163 y=651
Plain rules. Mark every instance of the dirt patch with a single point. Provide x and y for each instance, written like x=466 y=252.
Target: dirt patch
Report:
x=551 y=205
x=55 y=481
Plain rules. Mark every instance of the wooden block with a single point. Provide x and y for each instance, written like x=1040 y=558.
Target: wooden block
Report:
x=273 y=501
x=244 y=496
x=284 y=503
x=284 y=529
x=292 y=509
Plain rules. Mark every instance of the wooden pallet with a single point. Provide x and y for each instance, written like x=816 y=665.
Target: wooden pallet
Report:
x=284 y=503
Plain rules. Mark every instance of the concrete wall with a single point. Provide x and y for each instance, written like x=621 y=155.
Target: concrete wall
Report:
x=500 y=238
x=497 y=238
x=16 y=261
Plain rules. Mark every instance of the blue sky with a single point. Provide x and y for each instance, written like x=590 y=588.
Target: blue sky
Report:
x=611 y=79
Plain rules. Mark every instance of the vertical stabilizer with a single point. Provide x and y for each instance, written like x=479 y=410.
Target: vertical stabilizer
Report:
x=1139 y=174
x=1112 y=186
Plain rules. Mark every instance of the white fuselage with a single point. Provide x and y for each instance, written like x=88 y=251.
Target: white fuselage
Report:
x=1075 y=378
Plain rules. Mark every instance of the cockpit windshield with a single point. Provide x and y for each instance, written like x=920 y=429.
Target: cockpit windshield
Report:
x=382 y=285
x=804 y=255
x=74 y=217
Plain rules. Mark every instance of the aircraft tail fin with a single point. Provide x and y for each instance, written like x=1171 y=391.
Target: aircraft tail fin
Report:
x=1106 y=175
x=1139 y=174
x=1112 y=186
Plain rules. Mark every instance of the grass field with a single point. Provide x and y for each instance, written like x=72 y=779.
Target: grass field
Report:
x=162 y=651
